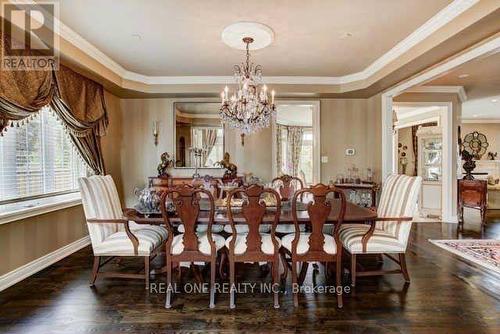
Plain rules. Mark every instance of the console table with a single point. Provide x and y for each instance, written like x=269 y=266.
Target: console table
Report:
x=372 y=188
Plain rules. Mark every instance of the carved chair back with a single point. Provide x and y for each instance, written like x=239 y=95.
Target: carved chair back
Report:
x=319 y=209
x=253 y=211
x=186 y=200
x=288 y=185
x=398 y=199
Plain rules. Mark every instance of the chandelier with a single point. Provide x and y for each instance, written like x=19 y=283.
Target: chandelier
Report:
x=249 y=109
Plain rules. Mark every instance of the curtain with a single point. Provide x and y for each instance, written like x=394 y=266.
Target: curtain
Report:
x=294 y=146
x=78 y=101
x=280 y=129
x=209 y=139
x=414 y=140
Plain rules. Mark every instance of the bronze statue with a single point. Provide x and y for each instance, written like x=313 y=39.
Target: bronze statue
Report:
x=165 y=163
x=231 y=169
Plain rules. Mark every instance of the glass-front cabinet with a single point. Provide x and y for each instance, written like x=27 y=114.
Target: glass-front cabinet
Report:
x=430 y=153
x=431 y=158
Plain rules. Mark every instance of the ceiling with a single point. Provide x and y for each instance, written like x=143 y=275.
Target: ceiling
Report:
x=483 y=77
x=198 y=108
x=183 y=38
x=481 y=84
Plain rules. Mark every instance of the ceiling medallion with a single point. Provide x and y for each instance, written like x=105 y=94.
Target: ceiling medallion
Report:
x=250 y=108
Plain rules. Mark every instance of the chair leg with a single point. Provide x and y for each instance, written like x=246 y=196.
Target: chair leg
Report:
x=213 y=269
x=232 y=287
x=295 y=286
x=303 y=272
x=404 y=269
x=168 y=302
x=338 y=275
x=285 y=266
x=276 y=277
x=146 y=271
x=353 y=269
x=95 y=270
x=223 y=260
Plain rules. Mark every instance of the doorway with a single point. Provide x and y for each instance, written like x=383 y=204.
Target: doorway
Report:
x=296 y=136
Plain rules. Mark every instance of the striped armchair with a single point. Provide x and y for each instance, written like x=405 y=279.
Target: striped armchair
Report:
x=110 y=233
x=391 y=230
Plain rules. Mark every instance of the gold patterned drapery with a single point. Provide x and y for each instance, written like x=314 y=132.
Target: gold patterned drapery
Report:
x=77 y=100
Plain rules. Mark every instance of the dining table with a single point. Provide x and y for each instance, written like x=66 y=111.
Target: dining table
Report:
x=354 y=214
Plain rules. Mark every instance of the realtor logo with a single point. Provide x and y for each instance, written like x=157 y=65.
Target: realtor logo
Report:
x=30 y=36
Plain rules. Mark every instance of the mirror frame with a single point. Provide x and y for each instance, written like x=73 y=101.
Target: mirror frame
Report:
x=174 y=141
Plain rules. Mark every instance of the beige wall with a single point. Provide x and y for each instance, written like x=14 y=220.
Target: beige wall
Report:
x=490 y=130
x=26 y=240
x=350 y=123
x=345 y=123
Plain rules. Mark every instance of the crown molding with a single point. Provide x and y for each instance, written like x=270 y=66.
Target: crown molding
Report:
x=459 y=90
x=443 y=17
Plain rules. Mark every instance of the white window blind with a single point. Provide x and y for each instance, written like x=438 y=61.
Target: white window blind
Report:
x=38 y=159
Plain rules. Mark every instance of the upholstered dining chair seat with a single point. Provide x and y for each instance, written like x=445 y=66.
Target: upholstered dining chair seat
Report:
x=380 y=242
x=240 y=246
x=329 y=246
x=203 y=228
x=118 y=244
x=203 y=243
x=243 y=228
x=289 y=228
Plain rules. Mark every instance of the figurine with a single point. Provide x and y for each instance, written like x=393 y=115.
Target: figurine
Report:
x=165 y=164
x=231 y=169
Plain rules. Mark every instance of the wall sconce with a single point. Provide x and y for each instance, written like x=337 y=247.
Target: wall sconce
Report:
x=155 y=132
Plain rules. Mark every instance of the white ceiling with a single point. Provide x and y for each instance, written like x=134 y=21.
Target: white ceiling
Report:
x=183 y=38
x=484 y=108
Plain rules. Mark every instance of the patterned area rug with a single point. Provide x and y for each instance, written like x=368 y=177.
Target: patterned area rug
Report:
x=485 y=253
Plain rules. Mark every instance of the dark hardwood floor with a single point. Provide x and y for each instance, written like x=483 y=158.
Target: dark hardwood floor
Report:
x=446 y=295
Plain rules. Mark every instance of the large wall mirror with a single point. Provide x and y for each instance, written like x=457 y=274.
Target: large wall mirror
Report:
x=199 y=135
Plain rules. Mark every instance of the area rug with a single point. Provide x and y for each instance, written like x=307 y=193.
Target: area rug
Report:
x=485 y=253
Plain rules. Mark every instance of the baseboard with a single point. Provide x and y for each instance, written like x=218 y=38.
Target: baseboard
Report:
x=43 y=262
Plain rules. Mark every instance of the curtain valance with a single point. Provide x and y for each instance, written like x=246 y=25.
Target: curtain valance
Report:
x=77 y=100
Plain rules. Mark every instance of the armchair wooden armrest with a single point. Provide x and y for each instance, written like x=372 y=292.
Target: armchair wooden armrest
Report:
x=125 y=222
x=366 y=237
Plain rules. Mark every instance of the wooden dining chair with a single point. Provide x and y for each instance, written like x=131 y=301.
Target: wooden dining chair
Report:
x=305 y=247
x=286 y=186
x=212 y=185
x=390 y=231
x=111 y=234
x=253 y=246
x=190 y=246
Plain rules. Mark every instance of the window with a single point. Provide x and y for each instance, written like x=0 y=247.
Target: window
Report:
x=38 y=159
x=305 y=167
x=211 y=139
x=306 y=155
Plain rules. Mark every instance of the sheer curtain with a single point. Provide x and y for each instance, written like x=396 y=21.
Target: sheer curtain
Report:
x=292 y=137
x=280 y=130
x=209 y=139
x=294 y=146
